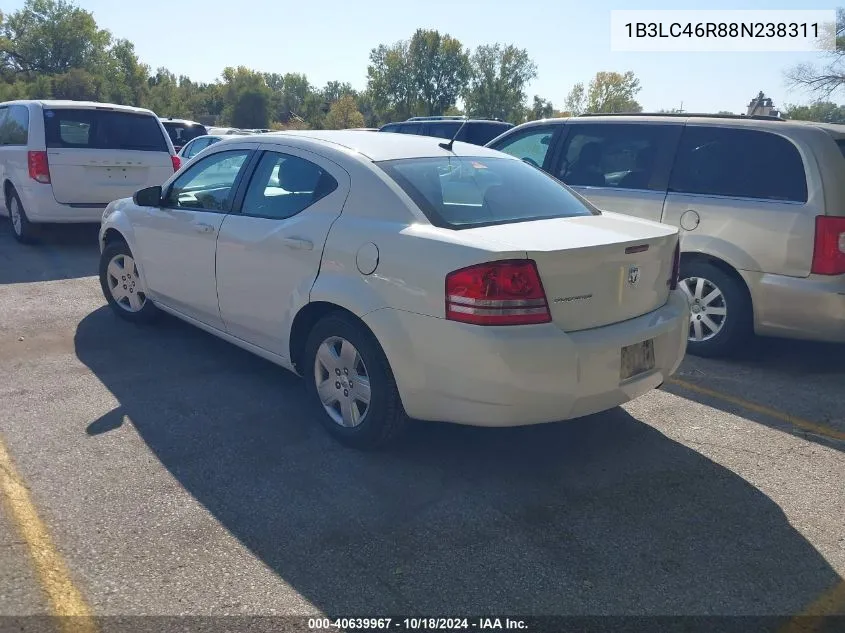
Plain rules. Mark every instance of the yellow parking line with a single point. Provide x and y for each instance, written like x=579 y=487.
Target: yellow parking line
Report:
x=51 y=570
x=805 y=425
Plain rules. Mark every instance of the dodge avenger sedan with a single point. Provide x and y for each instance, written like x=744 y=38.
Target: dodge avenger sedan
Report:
x=404 y=277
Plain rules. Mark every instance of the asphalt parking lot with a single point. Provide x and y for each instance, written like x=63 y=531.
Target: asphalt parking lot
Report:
x=167 y=472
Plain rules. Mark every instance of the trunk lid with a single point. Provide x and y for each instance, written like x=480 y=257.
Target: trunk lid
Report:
x=596 y=270
x=97 y=155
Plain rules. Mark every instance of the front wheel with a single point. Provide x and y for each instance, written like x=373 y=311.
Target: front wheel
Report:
x=350 y=381
x=721 y=317
x=122 y=285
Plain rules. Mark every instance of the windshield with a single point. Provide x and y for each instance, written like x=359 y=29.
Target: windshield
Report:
x=462 y=192
x=181 y=133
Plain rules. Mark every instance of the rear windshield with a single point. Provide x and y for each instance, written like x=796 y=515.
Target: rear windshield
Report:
x=103 y=129
x=463 y=192
x=181 y=133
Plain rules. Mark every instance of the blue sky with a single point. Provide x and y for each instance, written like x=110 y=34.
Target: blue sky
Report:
x=331 y=39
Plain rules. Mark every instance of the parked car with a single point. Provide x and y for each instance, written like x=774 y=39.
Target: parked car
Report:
x=64 y=161
x=404 y=279
x=760 y=203
x=198 y=144
x=227 y=131
x=475 y=131
x=182 y=131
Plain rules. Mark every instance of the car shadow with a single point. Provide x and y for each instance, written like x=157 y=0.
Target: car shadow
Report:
x=801 y=380
x=63 y=251
x=602 y=515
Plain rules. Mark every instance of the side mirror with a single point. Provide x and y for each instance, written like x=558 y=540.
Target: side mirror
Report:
x=149 y=197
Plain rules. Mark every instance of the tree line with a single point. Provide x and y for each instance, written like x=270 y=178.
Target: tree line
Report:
x=54 y=49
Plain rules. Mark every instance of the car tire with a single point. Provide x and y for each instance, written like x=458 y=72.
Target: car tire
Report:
x=333 y=373
x=716 y=297
x=23 y=230
x=122 y=285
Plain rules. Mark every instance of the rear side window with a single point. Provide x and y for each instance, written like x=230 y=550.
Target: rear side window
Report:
x=739 y=164
x=103 y=129
x=443 y=130
x=14 y=125
x=483 y=133
x=410 y=128
x=180 y=133
x=463 y=192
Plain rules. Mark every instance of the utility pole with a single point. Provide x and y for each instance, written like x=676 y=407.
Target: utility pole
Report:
x=682 y=107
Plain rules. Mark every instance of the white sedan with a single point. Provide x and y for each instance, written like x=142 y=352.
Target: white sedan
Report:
x=404 y=278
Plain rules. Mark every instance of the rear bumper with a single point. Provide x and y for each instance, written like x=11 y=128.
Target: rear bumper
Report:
x=511 y=376
x=41 y=206
x=811 y=308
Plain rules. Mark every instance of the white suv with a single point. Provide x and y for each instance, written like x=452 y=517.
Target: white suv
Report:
x=64 y=161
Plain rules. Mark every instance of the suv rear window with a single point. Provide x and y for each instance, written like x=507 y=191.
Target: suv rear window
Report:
x=181 y=133
x=459 y=192
x=103 y=129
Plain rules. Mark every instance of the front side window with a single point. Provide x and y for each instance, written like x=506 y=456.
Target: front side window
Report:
x=614 y=155
x=738 y=163
x=463 y=192
x=102 y=129
x=284 y=185
x=208 y=184
x=14 y=125
x=532 y=146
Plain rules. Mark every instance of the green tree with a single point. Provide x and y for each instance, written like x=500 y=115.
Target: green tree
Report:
x=439 y=69
x=344 y=114
x=540 y=109
x=823 y=112
x=247 y=98
x=829 y=76
x=52 y=37
x=498 y=79
x=389 y=83
x=613 y=92
x=576 y=100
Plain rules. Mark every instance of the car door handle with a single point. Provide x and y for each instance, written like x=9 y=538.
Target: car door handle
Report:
x=298 y=243
x=204 y=228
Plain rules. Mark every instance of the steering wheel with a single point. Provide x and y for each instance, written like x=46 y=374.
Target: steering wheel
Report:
x=531 y=162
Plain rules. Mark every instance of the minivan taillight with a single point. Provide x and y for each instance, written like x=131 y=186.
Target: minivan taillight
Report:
x=676 y=268
x=506 y=292
x=177 y=163
x=39 y=167
x=829 y=247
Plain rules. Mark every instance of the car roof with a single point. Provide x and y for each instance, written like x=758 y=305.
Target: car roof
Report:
x=67 y=103
x=718 y=121
x=458 y=121
x=376 y=147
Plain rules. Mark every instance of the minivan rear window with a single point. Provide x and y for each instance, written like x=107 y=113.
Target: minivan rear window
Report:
x=460 y=192
x=103 y=129
x=182 y=133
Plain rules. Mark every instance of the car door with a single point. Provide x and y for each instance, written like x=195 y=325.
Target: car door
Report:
x=176 y=242
x=619 y=167
x=269 y=250
x=742 y=195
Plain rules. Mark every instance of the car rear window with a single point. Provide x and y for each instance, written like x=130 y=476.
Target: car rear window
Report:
x=459 y=192
x=103 y=129
x=181 y=133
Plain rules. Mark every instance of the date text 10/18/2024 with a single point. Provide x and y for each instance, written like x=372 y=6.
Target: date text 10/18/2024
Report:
x=417 y=624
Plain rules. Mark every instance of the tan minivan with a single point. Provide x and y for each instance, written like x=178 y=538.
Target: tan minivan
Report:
x=760 y=203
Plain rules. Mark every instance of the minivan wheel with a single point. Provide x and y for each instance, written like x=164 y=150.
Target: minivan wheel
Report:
x=349 y=379
x=122 y=285
x=720 y=310
x=23 y=230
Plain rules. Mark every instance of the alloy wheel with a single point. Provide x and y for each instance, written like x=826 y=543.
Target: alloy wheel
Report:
x=124 y=284
x=708 y=308
x=343 y=383
x=15 y=215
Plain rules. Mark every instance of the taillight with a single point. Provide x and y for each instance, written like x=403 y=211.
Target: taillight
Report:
x=177 y=163
x=39 y=167
x=676 y=268
x=829 y=247
x=506 y=292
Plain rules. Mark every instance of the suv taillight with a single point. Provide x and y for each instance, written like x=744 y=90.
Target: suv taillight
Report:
x=829 y=247
x=676 y=268
x=39 y=167
x=177 y=163
x=506 y=292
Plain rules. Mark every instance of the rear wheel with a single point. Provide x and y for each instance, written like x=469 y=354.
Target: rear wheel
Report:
x=350 y=380
x=24 y=231
x=122 y=284
x=721 y=319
